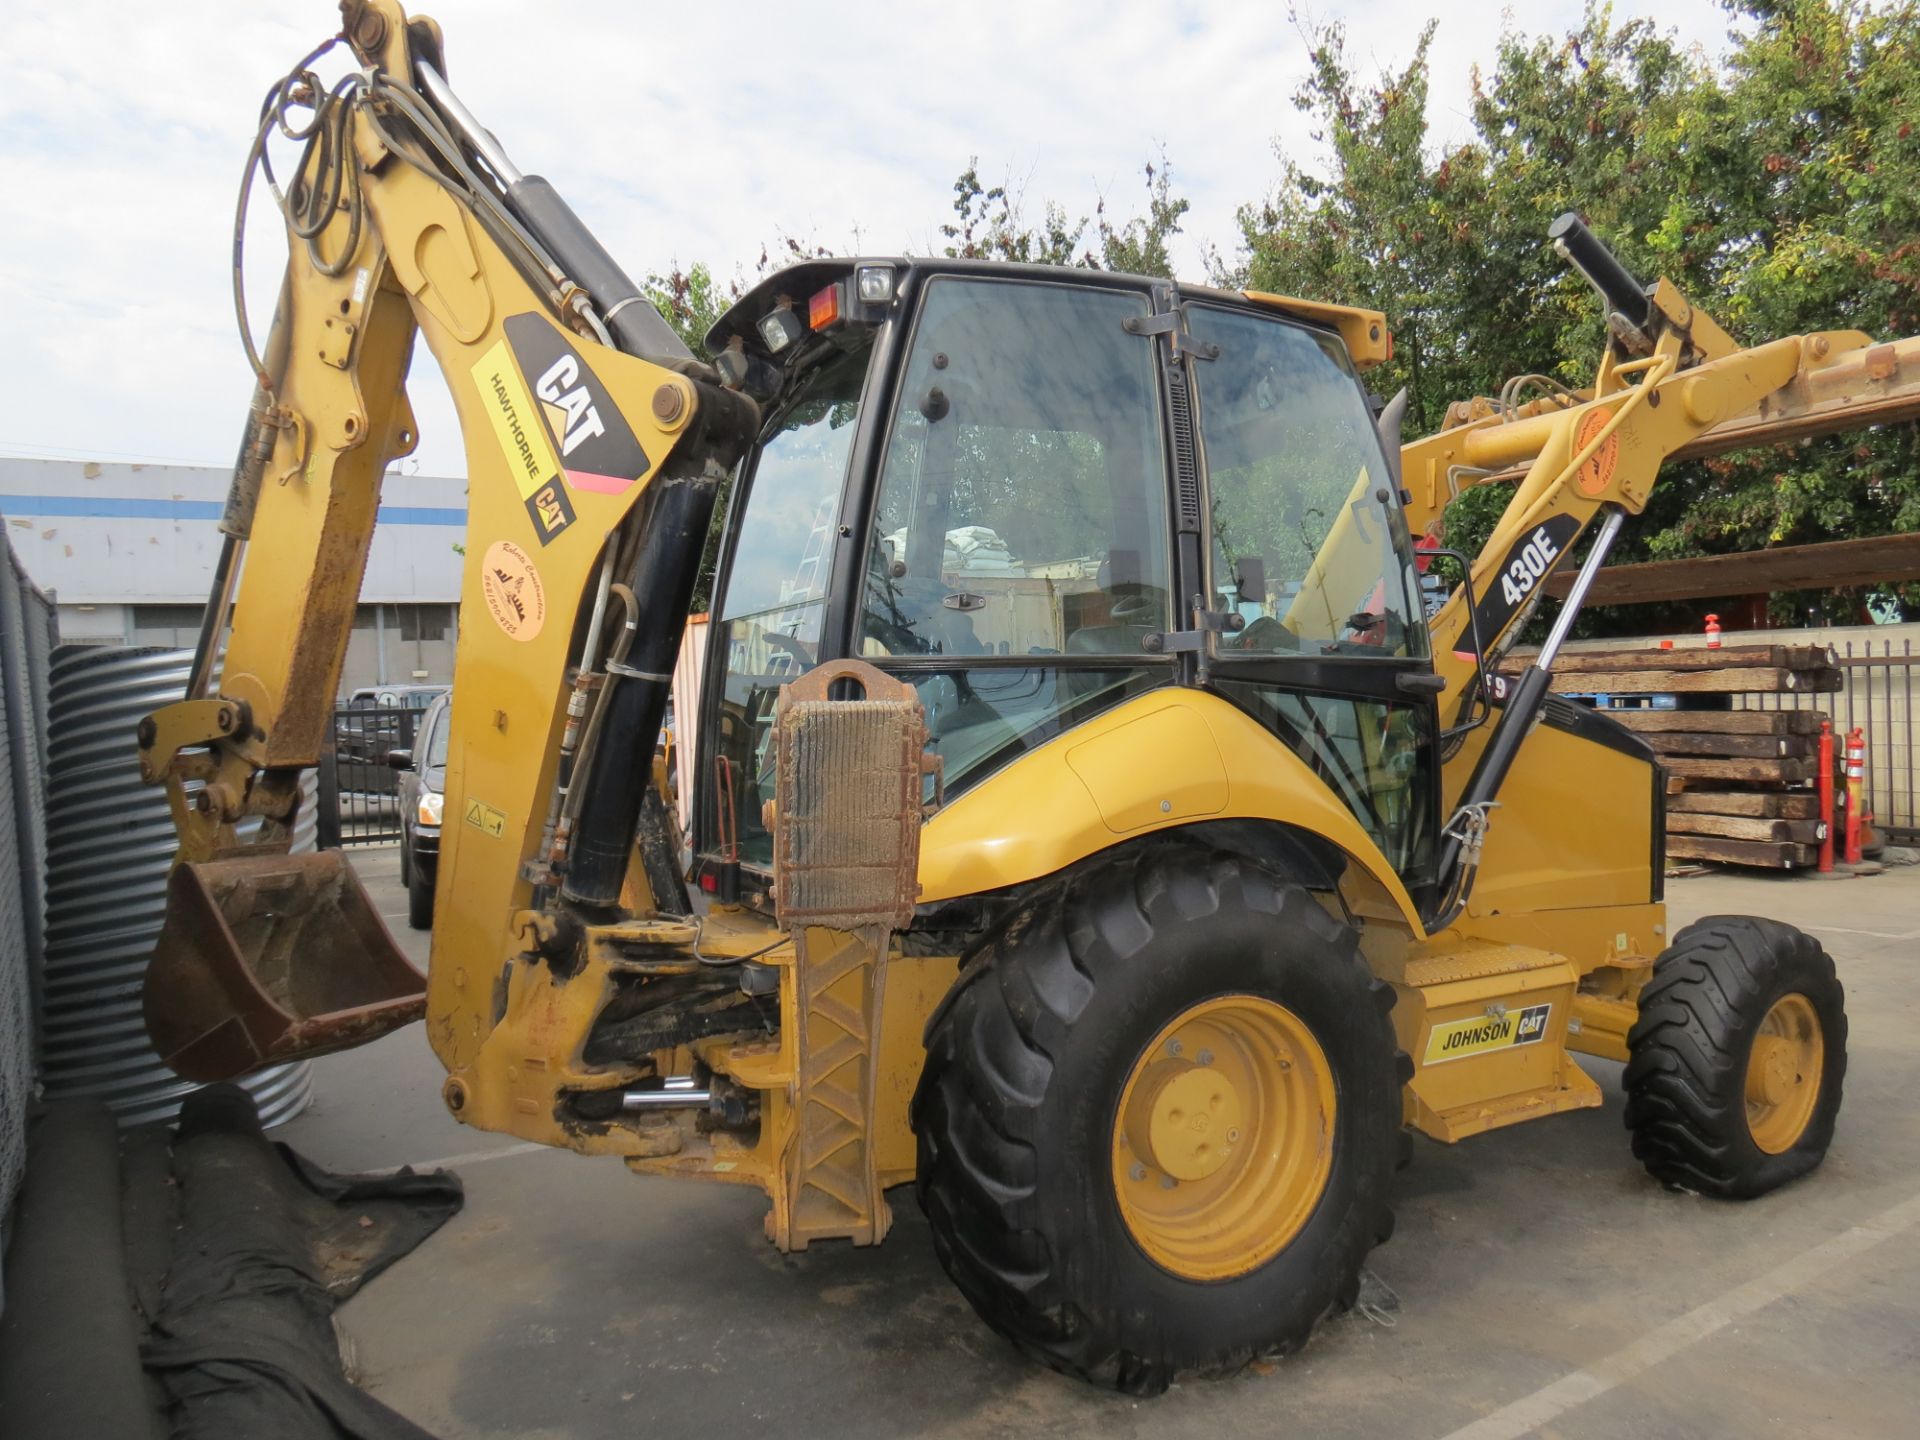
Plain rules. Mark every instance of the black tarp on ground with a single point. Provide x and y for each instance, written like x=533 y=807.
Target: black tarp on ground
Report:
x=242 y=1339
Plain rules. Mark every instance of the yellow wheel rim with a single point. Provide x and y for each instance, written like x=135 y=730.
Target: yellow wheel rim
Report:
x=1783 y=1074
x=1224 y=1137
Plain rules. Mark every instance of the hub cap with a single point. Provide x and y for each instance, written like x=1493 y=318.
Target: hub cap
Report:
x=1783 y=1074
x=1224 y=1137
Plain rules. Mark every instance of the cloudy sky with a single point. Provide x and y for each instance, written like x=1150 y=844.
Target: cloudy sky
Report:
x=680 y=132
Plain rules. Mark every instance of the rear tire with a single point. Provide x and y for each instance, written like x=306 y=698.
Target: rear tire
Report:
x=1020 y=1164
x=420 y=900
x=1710 y=1112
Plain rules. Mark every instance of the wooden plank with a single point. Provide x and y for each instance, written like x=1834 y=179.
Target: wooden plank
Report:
x=1763 y=804
x=1741 y=827
x=1832 y=564
x=1782 y=772
x=1751 y=746
x=1734 y=680
x=1722 y=722
x=1789 y=657
x=1773 y=854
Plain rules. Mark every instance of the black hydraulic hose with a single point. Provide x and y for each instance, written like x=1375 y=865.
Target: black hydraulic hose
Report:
x=612 y=782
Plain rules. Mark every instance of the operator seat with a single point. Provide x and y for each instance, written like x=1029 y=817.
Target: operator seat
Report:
x=1136 y=613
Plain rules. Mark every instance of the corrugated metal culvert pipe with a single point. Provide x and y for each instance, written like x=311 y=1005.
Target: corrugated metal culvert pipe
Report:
x=110 y=841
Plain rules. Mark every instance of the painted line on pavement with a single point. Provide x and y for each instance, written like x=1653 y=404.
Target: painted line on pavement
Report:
x=1546 y=1404
x=1876 y=934
x=472 y=1157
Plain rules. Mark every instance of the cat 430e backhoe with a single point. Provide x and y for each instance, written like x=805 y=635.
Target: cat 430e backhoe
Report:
x=1092 y=827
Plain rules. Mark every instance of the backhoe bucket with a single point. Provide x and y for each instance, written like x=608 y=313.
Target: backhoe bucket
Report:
x=270 y=958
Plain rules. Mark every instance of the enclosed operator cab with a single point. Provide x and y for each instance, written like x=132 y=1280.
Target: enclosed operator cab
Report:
x=1045 y=498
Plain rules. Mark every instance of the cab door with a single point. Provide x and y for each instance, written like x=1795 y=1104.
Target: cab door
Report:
x=1307 y=545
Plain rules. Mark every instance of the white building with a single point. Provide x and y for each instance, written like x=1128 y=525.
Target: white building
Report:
x=127 y=552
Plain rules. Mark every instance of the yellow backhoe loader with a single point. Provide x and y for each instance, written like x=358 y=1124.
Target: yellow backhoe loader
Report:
x=1092 y=828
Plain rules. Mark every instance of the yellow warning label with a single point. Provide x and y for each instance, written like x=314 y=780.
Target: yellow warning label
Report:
x=1476 y=1035
x=516 y=423
x=483 y=817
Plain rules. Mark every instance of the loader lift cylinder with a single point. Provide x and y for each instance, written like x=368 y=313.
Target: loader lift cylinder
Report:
x=1459 y=858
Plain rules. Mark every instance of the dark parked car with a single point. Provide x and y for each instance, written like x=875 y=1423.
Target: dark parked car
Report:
x=374 y=720
x=423 y=796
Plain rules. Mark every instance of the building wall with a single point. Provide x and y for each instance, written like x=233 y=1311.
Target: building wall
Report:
x=128 y=552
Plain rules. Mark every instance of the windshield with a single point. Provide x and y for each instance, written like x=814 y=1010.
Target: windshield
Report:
x=1309 y=543
x=785 y=514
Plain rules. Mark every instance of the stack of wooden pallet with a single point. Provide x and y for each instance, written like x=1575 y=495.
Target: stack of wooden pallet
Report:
x=1740 y=782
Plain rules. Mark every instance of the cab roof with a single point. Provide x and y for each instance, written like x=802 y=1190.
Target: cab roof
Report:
x=1365 y=333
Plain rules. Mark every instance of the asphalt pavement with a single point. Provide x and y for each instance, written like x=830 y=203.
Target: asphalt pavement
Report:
x=1545 y=1285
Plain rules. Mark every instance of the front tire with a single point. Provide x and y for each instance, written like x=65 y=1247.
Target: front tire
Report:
x=1074 y=1196
x=1737 y=1059
x=420 y=899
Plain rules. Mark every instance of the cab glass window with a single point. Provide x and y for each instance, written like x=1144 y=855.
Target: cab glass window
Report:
x=1375 y=755
x=1309 y=544
x=769 y=616
x=1022 y=505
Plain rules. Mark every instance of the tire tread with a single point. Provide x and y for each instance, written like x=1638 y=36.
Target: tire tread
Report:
x=1686 y=1072
x=991 y=1038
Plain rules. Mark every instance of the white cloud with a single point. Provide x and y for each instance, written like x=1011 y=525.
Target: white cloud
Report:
x=679 y=132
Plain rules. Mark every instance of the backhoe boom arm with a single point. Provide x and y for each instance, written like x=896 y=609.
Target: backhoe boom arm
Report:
x=592 y=470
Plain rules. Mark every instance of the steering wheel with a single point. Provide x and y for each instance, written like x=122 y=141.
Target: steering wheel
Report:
x=1266 y=635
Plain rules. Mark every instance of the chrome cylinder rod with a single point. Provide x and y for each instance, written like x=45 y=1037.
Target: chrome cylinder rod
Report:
x=1582 y=582
x=468 y=124
x=678 y=1092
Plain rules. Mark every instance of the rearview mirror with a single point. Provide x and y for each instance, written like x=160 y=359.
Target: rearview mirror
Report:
x=399 y=759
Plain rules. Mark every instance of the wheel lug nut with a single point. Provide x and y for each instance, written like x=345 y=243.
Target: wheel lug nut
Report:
x=1174 y=1047
x=1233 y=1137
x=1167 y=1182
x=1205 y=1057
x=1138 y=1172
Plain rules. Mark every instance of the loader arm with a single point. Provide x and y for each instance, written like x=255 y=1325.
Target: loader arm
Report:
x=1571 y=457
x=592 y=468
x=1671 y=383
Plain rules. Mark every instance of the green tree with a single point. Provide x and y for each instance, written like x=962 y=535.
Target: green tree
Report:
x=989 y=224
x=1780 y=191
x=691 y=301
